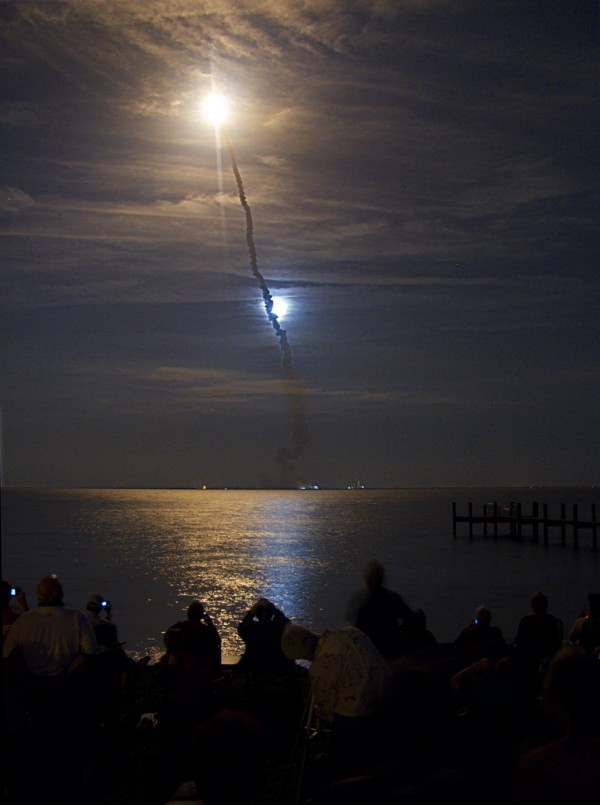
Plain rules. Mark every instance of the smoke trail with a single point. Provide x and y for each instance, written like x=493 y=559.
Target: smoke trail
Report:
x=294 y=390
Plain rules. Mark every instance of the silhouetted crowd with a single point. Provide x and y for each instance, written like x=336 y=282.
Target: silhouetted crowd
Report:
x=402 y=717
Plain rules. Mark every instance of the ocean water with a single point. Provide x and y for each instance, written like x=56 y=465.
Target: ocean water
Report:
x=152 y=551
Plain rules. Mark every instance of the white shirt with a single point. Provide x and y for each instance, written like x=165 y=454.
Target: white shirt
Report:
x=349 y=677
x=50 y=638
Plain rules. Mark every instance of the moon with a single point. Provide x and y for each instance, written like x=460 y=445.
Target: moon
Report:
x=280 y=307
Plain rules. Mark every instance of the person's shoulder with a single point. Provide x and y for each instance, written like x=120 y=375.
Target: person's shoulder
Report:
x=9 y=616
x=29 y=617
x=17 y=626
x=358 y=596
x=344 y=631
x=393 y=598
x=180 y=626
x=70 y=612
x=350 y=635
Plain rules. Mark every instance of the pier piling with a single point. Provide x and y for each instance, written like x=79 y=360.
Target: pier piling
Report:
x=520 y=524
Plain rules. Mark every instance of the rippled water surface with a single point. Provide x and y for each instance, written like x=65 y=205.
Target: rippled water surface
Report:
x=152 y=551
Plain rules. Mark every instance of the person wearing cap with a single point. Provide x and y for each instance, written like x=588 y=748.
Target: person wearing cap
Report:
x=54 y=640
x=104 y=628
x=58 y=647
x=95 y=605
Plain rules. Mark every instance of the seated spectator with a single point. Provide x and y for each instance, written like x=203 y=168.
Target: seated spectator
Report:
x=261 y=630
x=232 y=739
x=585 y=632
x=230 y=753
x=379 y=612
x=493 y=689
x=566 y=769
x=479 y=639
x=350 y=686
x=539 y=635
x=415 y=636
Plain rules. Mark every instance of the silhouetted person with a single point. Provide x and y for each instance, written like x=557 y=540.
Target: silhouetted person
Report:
x=350 y=685
x=379 y=612
x=187 y=672
x=55 y=641
x=57 y=646
x=479 y=639
x=566 y=769
x=15 y=718
x=9 y=614
x=113 y=664
x=98 y=612
x=201 y=637
x=415 y=636
x=261 y=630
x=585 y=632
x=419 y=734
x=231 y=752
x=539 y=635
x=492 y=690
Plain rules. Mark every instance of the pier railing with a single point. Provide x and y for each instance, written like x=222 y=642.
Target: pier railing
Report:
x=511 y=519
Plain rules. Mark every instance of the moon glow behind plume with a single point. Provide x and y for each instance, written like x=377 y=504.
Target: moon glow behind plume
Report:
x=280 y=307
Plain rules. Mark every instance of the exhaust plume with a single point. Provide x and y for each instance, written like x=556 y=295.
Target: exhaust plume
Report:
x=286 y=456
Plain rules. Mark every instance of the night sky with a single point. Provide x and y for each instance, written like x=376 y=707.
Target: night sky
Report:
x=423 y=178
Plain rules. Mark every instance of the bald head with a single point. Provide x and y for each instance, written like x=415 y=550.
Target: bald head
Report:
x=49 y=590
x=374 y=574
x=483 y=617
x=299 y=643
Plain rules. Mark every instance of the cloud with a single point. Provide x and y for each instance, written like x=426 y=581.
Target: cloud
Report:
x=14 y=201
x=231 y=387
x=215 y=385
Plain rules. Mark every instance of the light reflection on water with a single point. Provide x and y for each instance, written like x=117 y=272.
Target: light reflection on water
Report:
x=152 y=551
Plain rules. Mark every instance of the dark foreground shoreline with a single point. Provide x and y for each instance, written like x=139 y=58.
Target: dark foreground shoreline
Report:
x=131 y=766
x=431 y=747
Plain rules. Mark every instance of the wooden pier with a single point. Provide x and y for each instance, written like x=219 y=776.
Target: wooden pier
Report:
x=511 y=520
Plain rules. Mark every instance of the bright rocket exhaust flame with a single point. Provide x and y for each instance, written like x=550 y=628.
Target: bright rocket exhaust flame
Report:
x=215 y=108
